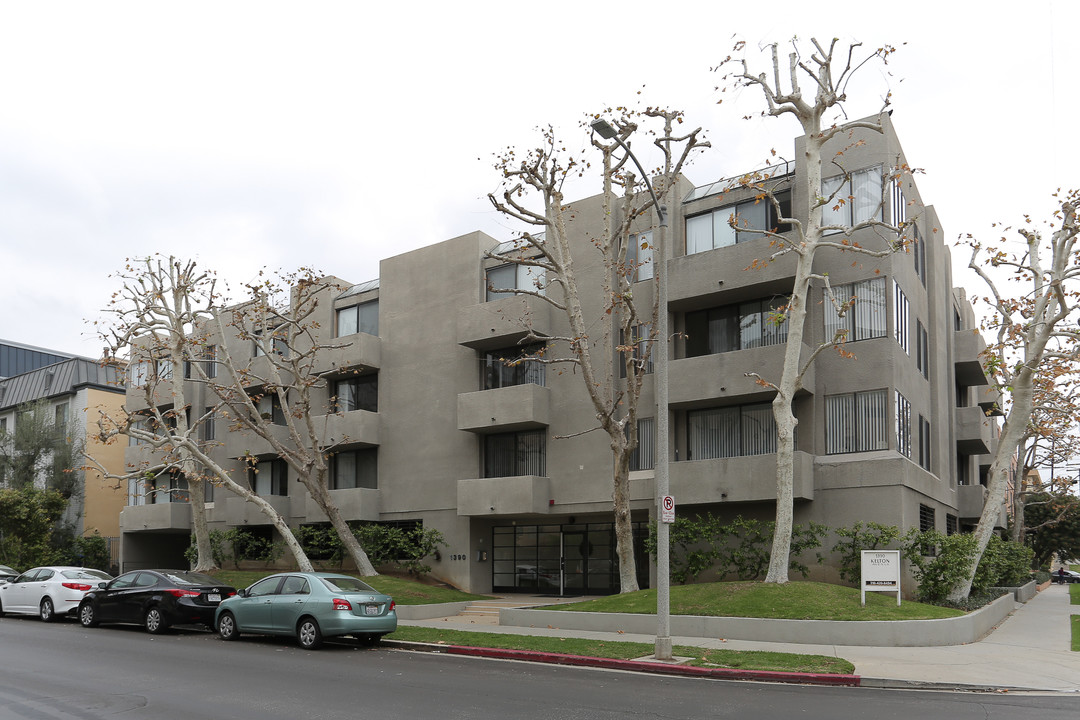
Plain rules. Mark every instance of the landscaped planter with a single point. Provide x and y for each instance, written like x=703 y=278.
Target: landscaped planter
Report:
x=426 y=612
x=1023 y=593
x=885 y=633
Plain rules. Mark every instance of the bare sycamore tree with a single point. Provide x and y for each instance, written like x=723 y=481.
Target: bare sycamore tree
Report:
x=1035 y=334
x=155 y=316
x=274 y=393
x=532 y=194
x=827 y=70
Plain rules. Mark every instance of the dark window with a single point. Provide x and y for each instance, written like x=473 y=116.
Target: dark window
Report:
x=357 y=393
x=508 y=367
x=269 y=407
x=362 y=318
x=922 y=349
x=924 y=443
x=919 y=252
x=901 y=313
x=515 y=453
x=862 y=320
x=751 y=217
x=951 y=525
x=856 y=422
x=730 y=431
x=903 y=425
x=209 y=425
x=639 y=339
x=355 y=469
x=926 y=518
x=269 y=477
x=758 y=323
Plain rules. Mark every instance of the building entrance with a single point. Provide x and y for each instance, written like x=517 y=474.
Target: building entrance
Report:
x=577 y=559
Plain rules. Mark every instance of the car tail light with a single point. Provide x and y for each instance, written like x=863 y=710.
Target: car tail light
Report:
x=341 y=604
x=230 y=593
x=81 y=587
x=183 y=593
x=392 y=605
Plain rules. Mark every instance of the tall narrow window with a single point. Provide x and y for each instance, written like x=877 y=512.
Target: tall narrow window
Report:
x=639 y=256
x=926 y=518
x=924 y=443
x=856 y=422
x=644 y=453
x=919 y=253
x=210 y=358
x=901 y=312
x=903 y=425
x=922 y=349
x=514 y=454
x=209 y=425
x=639 y=340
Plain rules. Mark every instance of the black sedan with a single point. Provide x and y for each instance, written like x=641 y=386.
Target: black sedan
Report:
x=155 y=599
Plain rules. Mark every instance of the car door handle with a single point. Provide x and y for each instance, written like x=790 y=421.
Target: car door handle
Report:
x=299 y=600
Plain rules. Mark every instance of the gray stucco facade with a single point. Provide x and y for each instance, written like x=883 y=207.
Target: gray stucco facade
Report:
x=436 y=420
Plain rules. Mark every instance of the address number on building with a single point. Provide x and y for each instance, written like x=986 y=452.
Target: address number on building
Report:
x=667 y=509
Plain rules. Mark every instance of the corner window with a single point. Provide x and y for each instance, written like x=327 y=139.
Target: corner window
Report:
x=362 y=318
x=514 y=454
x=357 y=393
x=865 y=318
x=269 y=477
x=855 y=422
x=355 y=469
x=504 y=279
x=857 y=199
x=506 y=367
x=279 y=340
x=639 y=257
x=752 y=218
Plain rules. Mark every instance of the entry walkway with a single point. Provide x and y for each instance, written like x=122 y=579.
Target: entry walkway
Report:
x=1028 y=650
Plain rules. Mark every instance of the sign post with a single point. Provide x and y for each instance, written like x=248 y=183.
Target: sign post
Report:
x=880 y=572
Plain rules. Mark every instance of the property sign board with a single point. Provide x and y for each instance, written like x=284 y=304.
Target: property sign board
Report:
x=667 y=509
x=881 y=572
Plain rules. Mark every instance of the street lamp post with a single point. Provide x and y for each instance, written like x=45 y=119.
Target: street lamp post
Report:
x=662 y=649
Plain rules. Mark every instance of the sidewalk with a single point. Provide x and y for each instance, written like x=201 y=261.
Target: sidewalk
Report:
x=1028 y=651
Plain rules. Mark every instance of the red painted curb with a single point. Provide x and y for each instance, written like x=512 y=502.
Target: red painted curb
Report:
x=654 y=667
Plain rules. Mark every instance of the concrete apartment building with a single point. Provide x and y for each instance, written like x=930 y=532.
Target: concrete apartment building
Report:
x=74 y=390
x=442 y=433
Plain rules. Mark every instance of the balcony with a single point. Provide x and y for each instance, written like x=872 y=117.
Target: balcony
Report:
x=353 y=428
x=737 y=479
x=238 y=511
x=359 y=350
x=970 y=500
x=974 y=431
x=518 y=407
x=242 y=443
x=521 y=495
x=969 y=346
x=711 y=277
x=160 y=517
x=704 y=380
x=354 y=504
x=503 y=322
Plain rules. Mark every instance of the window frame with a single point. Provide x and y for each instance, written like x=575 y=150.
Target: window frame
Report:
x=365 y=470
x=722 y=234
x=365 y=319
x=867 y=432
x=529 y=454
x=363 y=395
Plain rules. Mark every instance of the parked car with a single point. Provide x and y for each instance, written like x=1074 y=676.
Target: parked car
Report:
x=7 y=574
x=1069 y=576
x=309 y=606
x=48 y=592
x=155 y=599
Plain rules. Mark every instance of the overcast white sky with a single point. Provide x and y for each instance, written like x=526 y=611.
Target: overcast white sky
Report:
x=334 y=134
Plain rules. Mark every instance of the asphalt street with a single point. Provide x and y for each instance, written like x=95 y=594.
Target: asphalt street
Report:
x=64 y=671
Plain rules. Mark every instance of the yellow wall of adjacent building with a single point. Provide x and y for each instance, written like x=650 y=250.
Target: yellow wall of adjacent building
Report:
x=103 y=499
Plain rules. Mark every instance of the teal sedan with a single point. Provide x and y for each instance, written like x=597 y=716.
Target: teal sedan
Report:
x=309 y=606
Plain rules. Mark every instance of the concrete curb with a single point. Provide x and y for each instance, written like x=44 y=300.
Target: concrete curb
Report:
x=631 y=665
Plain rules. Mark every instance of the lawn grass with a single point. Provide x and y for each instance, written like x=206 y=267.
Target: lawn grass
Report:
x=701 y=657
x=1074 y=620
x=793 y=601
x=404 y=592
x=1074 y=593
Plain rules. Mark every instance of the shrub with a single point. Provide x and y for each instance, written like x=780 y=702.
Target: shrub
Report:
x=87 y=551
x=1004 y=564
x=938 y=561
x=694 y=545
x=405 y=548
x=855 y=539
x=321 y=543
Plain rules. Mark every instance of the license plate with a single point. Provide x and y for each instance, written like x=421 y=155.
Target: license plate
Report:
x=213 y=597
x=371 y=609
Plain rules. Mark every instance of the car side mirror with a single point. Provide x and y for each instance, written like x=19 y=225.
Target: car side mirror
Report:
x=242 y=592
x=101 y=585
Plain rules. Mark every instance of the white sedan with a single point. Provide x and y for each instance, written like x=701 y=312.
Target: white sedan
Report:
x=48 y=591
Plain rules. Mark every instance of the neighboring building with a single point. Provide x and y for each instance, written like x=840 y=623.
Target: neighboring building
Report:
x=445 y=434
x=16 y=358
x=76 y=389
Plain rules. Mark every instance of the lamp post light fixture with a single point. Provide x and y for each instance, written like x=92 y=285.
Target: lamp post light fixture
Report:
x=662 y=649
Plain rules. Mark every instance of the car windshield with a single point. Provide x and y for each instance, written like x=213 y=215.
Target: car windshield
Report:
x=85 y=574
x=181 y=577
x=347 y=584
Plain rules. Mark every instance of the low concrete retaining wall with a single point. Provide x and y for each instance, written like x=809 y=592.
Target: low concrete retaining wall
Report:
x=883 y=633
x=1022 y=593
x=426 y=612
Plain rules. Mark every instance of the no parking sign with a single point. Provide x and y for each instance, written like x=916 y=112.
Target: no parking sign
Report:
x=667 y=509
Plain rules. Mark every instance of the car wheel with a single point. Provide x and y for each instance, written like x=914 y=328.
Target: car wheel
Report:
x=45 y=612
x=226 y=627
x=87 y=616
x=154 y=622
x=308 y=634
